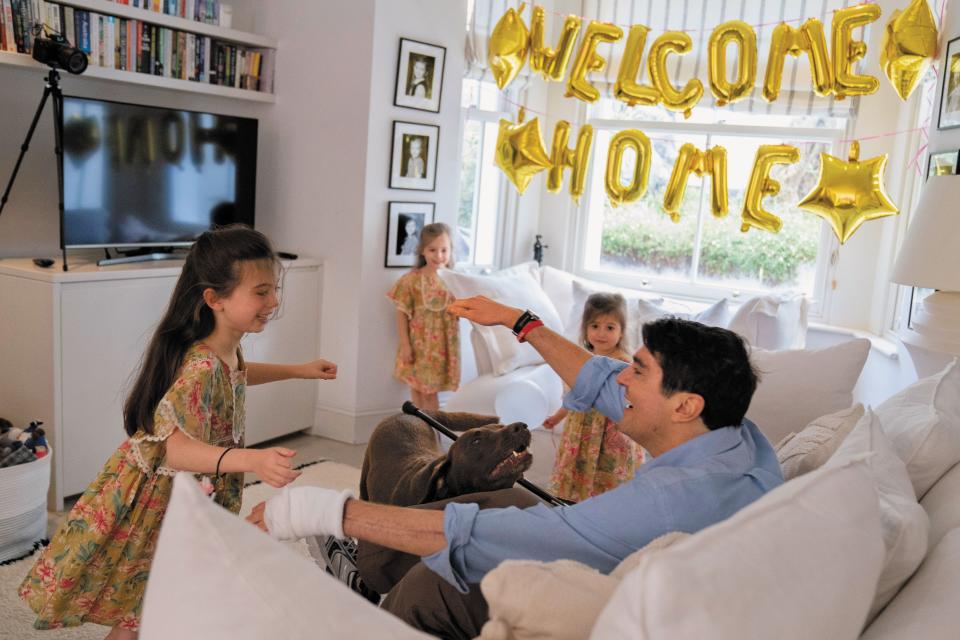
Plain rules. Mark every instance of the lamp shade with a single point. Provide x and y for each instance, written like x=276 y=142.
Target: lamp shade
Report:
x=930 y=254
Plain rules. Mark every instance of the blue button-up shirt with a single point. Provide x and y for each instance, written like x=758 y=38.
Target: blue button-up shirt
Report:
x=692 y=486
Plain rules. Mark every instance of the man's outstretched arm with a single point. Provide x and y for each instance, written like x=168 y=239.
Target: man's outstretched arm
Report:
x=563 y=356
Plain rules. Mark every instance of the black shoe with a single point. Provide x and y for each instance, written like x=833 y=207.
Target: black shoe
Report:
x=338 y=557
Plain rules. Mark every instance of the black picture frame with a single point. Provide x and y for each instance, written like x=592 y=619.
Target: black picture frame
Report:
x=938 y=162
x=425 y=91
x=412 y=166
x=950 y=89
x=401 y=246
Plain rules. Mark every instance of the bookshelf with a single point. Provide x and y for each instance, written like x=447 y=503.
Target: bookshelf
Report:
x=214 y=32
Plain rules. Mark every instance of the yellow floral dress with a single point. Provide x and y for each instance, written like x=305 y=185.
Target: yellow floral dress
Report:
x=593 y=456
x=95 y=569
x=434 y=333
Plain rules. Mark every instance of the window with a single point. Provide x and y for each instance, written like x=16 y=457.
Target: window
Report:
x=481 y=182
x=703 y=256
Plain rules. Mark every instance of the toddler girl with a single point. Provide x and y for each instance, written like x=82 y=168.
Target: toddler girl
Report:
x=184 y=413
x=428 y=357
x=593 y=455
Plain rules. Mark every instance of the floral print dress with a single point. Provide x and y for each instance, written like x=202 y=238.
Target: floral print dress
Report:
x=96 y=567
x=434 y=333
x=593 y=456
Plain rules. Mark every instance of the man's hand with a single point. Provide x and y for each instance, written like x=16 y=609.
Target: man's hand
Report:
x=298 y=512
x=319 y=369
x=485 y=311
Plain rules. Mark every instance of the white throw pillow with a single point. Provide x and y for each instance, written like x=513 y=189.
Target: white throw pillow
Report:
x=559 y=600
x=801 y=385
x=904 y=523
x=217 y=577
x=772 y=322
x=583 y=289
x=789 y=566
x=716 y=315
x=517 y=287
x=803 y=452
x=923 y=421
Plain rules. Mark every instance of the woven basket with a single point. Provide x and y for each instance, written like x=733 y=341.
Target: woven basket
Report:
x=23 y=506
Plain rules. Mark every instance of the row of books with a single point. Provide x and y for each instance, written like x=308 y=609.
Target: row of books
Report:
x=206 y=11
x=135 y=45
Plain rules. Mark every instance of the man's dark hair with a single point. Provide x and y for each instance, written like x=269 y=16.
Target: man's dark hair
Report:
x=709 y=361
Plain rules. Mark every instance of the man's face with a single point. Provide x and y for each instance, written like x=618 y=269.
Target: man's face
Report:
x=648 y=409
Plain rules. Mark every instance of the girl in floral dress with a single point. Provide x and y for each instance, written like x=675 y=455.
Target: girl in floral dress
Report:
x=185 y=412
x=593 y=455
x=428 y=356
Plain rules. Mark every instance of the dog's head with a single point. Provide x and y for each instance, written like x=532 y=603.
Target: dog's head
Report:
x=488 y=458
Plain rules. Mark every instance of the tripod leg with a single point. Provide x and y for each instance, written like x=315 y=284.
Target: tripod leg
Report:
x=26 y=145
x=58 y=150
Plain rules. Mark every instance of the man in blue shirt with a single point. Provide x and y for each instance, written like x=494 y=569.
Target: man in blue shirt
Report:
x=683 y=399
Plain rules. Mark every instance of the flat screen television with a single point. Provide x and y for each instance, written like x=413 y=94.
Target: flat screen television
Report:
x=142 y=176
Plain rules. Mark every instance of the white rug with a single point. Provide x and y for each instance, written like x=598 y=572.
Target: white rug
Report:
x=16 y=619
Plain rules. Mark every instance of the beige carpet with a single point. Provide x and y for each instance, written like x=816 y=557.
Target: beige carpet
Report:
x=16 y=619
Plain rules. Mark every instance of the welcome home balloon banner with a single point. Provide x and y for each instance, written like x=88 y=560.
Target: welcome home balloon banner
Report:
x=849 y=192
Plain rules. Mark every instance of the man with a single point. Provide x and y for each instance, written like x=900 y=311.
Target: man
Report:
x=682 y=399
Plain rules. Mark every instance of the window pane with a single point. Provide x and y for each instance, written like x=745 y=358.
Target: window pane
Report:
x=469 y=176
x=488 y=200
x=758 y=259
x=640 y=238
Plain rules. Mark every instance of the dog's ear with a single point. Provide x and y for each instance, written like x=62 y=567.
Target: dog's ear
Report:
x=458 y=421
x=429 y=483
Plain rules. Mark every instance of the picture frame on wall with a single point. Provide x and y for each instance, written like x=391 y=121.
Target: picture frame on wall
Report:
x=949 y=116
x=419 y=75
x=943 y=163
x=405 y=220
x=413 y=160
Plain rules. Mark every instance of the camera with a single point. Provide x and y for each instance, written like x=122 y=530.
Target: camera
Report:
x=57 y=52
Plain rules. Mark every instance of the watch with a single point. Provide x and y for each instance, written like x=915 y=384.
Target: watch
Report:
x=525 y=318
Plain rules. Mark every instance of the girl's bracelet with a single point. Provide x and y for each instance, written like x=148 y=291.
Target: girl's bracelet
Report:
x=220 y=459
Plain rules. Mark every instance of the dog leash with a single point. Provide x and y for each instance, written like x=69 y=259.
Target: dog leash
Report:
x=411 y=409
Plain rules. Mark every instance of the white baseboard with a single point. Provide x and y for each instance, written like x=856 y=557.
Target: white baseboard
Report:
x=348 y=426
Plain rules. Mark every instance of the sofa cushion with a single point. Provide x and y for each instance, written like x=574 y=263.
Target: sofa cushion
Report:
x=557 y=600
x=904 y=524
x=798 y=386
x=923 y=421
x=215 y=577
x=942 y=504
x=517 y=287
x=927 y=607
x=777 y=569
x=773 y=322
x=715 y=315
x=801 y=453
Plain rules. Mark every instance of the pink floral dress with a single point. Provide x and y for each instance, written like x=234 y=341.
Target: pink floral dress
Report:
x=96 y=567
x=434 y=333
x=593 y=456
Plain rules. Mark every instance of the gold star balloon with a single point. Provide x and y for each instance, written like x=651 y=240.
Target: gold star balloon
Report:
x=909 y=46
x=849 y=193
x=520 y=153
x=507 y=48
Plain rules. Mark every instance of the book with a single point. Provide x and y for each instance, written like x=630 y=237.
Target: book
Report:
x=10 y=41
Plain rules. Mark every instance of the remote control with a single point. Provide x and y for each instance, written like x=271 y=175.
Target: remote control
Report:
x=43 y=262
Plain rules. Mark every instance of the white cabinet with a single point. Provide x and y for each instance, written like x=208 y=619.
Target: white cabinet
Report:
x=71 y=341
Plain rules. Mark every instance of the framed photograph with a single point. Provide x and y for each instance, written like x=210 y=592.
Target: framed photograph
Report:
x=404 y=222
x=943 y=163
x=419 y=75
x=950 y=93
x=413 y=161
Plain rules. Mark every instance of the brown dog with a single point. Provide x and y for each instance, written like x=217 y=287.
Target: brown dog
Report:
x=404 y=466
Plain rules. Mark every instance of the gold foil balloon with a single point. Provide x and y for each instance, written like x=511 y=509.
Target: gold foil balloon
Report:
x=846 y=51
x=520 y=153
x=551 y=63
x=685 y=99
x=849 y=193
x=742 y=34
x=576 y=159
x=640 y=143
x=809 y=39
x=626 y=88
x=507 y=48
x=762 y=185
x=909 y=46
x=588 y=60
x=692 y=160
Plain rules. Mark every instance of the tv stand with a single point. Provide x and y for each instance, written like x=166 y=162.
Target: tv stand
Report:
x=141 y=257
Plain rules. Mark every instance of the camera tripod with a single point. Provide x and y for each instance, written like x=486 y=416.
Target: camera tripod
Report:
x=52 y=88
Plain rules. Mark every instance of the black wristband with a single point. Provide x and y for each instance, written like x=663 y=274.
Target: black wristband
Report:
x=525 y=318
x=220 y=459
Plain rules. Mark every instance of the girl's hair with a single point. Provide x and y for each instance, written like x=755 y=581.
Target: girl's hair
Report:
x=428 y=234
x=215 y=261
x=604 y=304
